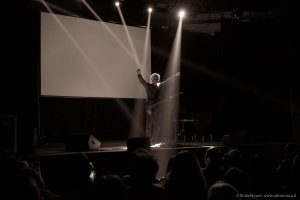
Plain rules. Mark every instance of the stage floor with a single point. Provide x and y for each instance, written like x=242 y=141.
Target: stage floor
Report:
x=120 y=145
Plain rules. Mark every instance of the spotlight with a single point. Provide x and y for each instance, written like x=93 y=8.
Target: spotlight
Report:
x=117 y=3
x=181 y=13
x=150 y=10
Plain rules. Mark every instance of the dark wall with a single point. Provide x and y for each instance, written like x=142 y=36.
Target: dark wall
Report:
x=256 y=89
x=295 y=63
x=18 y=71
x=105 y=118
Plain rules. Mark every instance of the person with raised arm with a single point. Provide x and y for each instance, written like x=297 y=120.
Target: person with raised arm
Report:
x=154 y=104
x=153 y=94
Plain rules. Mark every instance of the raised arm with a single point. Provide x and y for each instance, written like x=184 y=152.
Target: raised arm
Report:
x=140 y=77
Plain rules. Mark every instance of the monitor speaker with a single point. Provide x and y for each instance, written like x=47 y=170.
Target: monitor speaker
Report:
x=138 y=142
x=81 y=142
x=8 y=134
x=94 y=143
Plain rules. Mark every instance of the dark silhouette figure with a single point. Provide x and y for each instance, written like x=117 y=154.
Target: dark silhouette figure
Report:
x=295 y=183
x=233 y=158
x=16 y=182
x=238 y=178
x=77 y=174
x=213 y=170
x=24 y=187
x=284 y=171
x=22 y=179
x=141 y=182
x=108 y=186
x=261 y=175
x=185 y=179
x=223 y=191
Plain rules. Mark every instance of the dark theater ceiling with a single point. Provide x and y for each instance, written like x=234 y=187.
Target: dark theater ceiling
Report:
x=202 y=15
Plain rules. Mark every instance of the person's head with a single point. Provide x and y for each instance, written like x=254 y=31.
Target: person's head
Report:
x=291 y=150
x=296 y=164
x=143 y=166
x=185 y=176
x=154 y=78
x=223 y=191
x=78 y=169
x=238 y=178
x=232 y=158
x=213 y=157
x=107 y=185
x=185 y=167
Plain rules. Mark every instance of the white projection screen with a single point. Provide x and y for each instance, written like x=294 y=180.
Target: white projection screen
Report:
x=89 y=58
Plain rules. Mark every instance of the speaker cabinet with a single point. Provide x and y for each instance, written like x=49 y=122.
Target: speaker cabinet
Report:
x=8 y=134
x=81 y=142
x=138 y=142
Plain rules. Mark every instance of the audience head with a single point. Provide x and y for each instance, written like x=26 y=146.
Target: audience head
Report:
x=237 y=178
x=223 y=191
x=296 y=164
x=20 y=181
x=259 y=166
x=185 y=175
x=143 y=167
x=185 y=162
x=26 y=187
x=261 y=173
x=79 y=170
x=213 y=157
x=104 y=186
x=232 y=158
x=291 y=150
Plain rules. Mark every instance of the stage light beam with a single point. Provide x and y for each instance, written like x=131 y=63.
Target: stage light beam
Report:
x=137 y=125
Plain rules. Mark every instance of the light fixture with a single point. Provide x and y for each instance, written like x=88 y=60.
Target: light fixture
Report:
x=181 y=13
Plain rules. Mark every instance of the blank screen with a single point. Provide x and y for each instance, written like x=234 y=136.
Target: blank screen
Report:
x=88 y=58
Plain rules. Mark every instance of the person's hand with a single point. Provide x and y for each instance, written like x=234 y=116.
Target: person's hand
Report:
x=138 y=71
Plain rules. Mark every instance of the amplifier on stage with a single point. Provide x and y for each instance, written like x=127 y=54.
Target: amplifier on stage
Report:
x=8 y=134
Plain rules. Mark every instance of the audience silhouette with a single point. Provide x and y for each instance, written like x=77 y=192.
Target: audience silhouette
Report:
x=295 y=184
x=214 y=170
x=109 y=186
x=238 y=178
x=185 y=179
x=77 y=174
x=21 y=179
x=233 y=158
x=261 y=175
x=141 y=182
x=223 y=191
x=226 y=176
x=284 y=171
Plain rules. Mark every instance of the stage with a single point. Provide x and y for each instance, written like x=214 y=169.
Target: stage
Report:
x=119 y=146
